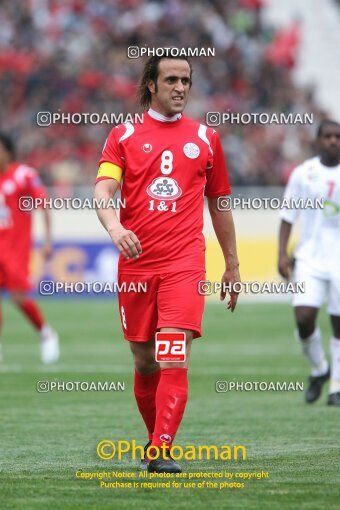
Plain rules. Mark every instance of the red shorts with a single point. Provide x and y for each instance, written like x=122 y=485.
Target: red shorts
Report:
x=14 y=275
x=171 y=300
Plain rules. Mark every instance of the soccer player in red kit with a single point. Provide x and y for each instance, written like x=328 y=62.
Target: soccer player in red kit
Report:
x=17 y=181
x=166 y=165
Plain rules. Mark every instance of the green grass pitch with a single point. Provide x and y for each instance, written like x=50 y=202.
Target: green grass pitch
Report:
x=45 y=438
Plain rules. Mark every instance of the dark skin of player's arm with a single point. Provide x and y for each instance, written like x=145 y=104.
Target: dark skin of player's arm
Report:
x=285 y=263
x=223 y=224
x=305 y=316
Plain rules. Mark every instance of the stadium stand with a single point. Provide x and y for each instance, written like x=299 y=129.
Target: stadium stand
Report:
x=71 y=56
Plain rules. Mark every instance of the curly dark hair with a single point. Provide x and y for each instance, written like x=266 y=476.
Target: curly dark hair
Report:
x=323 y=124
x=8 y=144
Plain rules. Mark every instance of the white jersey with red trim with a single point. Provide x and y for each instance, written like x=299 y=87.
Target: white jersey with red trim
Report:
x=319 y=244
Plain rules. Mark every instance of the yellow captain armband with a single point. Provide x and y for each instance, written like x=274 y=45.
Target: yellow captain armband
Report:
x=110 y=170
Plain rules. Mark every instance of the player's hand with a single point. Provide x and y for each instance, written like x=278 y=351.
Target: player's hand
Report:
x=126 y=241
x=285 y=266
x=229 y=278
x=47 y=250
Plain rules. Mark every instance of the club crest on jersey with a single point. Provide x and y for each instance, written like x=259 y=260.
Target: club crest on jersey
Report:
x=312 y=177
x=191 y=150
x=331 y=209
x=147 y=147
x=164 y=188
x=8 y=187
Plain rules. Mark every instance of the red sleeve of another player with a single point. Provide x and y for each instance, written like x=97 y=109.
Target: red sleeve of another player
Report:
x=34 y=187
x=112 y=152
x=217 y=184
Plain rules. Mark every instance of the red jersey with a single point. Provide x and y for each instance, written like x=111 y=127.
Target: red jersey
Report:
x=17 y=181
x=167 y=167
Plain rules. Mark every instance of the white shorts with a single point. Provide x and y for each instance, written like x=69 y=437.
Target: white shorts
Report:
x=317 y=290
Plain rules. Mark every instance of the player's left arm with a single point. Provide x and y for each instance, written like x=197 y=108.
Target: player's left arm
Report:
x=36 y=189
x=217 y=186
x=47 y=247
x=223 y=224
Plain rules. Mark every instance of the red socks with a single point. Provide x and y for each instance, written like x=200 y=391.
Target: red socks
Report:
x=32 y=312
x=171 y=399
x=145 y=392
x=164 y=391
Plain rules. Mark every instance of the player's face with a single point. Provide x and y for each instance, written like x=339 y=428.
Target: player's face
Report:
x=173 y=84
x=329 y=142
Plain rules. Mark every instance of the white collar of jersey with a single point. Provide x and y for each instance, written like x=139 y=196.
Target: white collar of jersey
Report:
x=163 y=118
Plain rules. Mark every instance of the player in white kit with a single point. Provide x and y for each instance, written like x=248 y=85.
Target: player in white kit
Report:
x=317 y=257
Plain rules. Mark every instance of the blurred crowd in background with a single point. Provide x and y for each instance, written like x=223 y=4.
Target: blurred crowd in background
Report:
x=71 y=56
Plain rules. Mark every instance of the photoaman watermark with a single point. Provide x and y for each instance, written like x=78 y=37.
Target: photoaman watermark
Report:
x=107 y=450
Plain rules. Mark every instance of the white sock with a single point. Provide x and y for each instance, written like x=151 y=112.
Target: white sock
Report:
x=45 y=331
x=335 y=370
x=313 y=350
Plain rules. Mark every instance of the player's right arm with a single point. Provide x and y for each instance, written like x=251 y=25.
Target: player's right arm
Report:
x=125 y=240
x=288 y=218
x=285 y=262
x=111 y=170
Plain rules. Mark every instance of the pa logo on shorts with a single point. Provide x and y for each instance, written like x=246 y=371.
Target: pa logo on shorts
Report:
x=170 y=346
